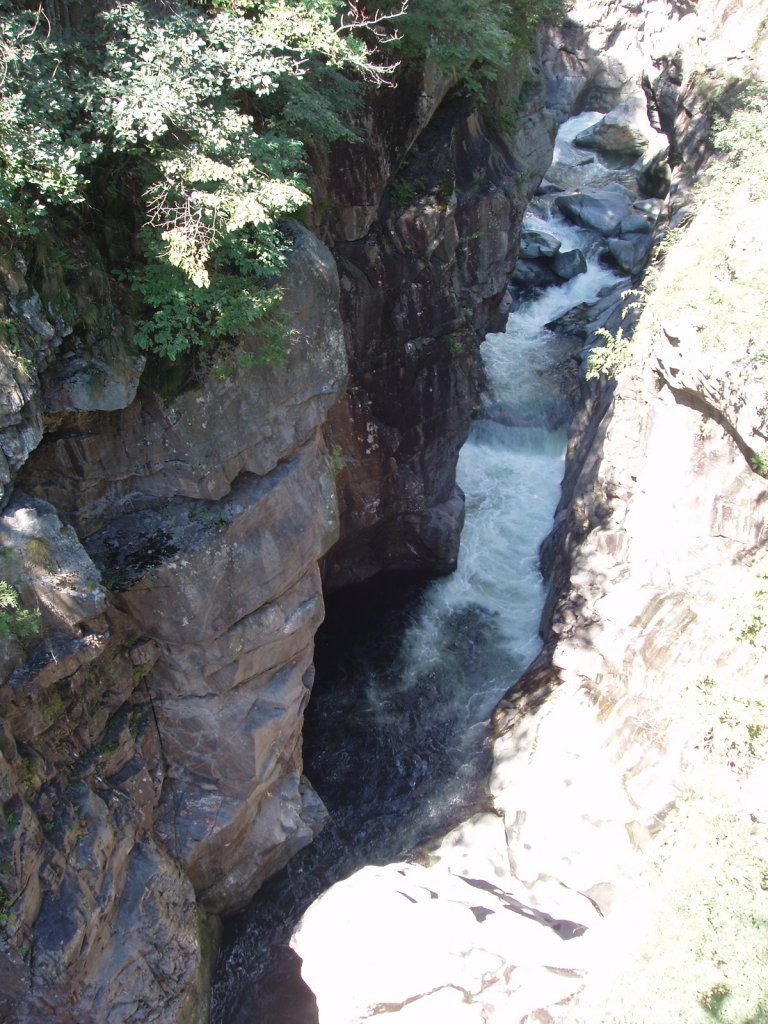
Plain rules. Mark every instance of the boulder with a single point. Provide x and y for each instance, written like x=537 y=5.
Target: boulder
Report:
x=625 y=131
x=532 y=274
x=548 y=188
x=633 y=223
x=601 y=210
x=535 y=242
x=630 y=252
x=569 y=264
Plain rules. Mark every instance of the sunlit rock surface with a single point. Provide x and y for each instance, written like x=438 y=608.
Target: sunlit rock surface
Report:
x=655 y=544
x=152 y=732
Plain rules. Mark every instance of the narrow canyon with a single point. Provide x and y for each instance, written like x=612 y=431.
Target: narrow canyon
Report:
x=355 y=684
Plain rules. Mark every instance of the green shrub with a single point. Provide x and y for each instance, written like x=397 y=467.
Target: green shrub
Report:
x=474 y=39
x=16 y=622
x=609 y=358
x=188 y=116
x=759 y=461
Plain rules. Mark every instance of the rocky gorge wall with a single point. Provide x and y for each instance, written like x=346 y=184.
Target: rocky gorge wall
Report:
x=171 y=545
x=424 y=256
x=153 y=736
x=151 y=742
x=656 y=546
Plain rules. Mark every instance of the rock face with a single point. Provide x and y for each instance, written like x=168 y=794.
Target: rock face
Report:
x=21 y=407
x=163 y=554
x=417 y=291
x=152 y=738
x=660 y=524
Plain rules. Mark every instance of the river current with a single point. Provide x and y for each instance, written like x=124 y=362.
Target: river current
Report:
x=396 y=735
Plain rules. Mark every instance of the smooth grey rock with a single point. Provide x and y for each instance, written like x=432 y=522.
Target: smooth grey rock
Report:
x=635 y=224
x=532 y=274
x=535 y=243
x=569 y=264
x=601 y=210
x=630 y=252
x=624 y=131
x=548 y=188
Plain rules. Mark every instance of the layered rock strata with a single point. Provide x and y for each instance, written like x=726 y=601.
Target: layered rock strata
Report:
x=152 y=735
x=421 y=274
x=656 y=543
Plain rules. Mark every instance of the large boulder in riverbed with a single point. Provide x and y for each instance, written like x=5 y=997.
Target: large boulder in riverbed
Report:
x=569 y=264
x=624 y=131
x=601 y=210
x=533 y=274
x=536 y=241
x=630 y=252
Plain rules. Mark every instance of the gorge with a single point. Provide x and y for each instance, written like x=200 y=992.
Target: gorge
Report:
x=177 y=546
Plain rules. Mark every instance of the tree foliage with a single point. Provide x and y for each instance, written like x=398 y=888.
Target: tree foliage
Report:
x=474 y=39
x=16 y=622
x=189 y=96
x=196 y=108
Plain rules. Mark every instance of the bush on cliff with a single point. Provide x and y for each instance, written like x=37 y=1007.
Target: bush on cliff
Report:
x=474 y=39
x=186 y=115
x=185 y=120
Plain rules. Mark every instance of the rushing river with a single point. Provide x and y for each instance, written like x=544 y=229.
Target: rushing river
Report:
x=397 y=730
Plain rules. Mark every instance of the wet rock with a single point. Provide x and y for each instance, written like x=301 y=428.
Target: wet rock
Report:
x=535 y=243
x=630 y=251
x=633 y=223
x=548 y=188
x=602 y=210
x=532 y=274
x=569 y=264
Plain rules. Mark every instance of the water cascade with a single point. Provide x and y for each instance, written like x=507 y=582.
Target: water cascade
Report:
x=397 y=729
